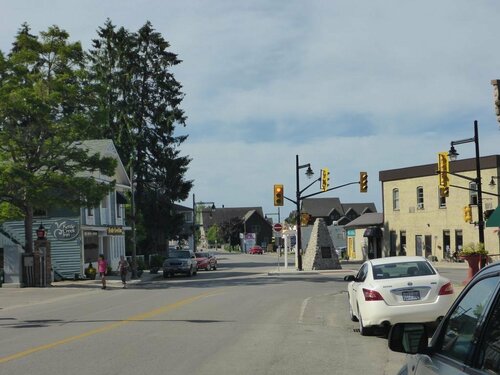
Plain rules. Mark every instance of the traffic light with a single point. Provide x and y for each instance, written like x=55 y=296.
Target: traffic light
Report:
x=443 y=172
x=468 y=214
x=325 y=179
x=363 y=182
x=278 y=195
x=444 y=191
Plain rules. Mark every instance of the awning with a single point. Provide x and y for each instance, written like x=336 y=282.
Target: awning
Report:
x=121 y=198
x=373 y=232
x=494 y=219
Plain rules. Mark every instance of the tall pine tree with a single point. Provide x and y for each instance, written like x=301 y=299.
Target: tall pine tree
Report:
x=140 y=109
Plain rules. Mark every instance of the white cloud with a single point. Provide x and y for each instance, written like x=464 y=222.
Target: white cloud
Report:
x=365 y=85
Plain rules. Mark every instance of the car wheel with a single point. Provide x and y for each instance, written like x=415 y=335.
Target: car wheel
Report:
x=351 y=313
x=190 y=272
x=364 y=331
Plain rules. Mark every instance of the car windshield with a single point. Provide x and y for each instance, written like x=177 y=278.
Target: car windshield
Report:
x=201 y=255
x=402 y=269
x=183 y=254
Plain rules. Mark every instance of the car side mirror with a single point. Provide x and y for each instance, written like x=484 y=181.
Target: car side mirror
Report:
x=409 y=338
x=350 y=278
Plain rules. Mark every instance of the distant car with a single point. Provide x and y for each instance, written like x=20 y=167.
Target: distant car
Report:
x=468 y=339
x=397 y=289
x=180 y=261
x=256 y=250
x=206 y=261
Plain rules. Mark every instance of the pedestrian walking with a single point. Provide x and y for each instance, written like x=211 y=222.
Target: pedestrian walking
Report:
x=102 y=268
x=123 y=269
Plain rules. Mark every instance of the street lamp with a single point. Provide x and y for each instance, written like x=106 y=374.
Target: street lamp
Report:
x=309 y=174
x=274 y=214
x=453 y=156
x=194 y=218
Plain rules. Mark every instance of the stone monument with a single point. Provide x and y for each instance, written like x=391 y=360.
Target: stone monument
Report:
x=320 y=253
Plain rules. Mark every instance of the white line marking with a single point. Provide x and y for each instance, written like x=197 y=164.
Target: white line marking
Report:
x=303 y=309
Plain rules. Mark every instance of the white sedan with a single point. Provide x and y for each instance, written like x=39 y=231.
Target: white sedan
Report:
x=395 y=290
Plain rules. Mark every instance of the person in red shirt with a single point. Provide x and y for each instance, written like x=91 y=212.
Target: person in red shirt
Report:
x=102 y=267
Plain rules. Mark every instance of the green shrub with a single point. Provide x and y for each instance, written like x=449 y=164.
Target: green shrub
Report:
x=156 y=261
x=140 y=264
x=473 y=249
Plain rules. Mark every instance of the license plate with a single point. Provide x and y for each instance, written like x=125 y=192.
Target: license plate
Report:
x=412 y=295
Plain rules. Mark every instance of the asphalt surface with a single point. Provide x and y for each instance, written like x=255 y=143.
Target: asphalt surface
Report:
x=17 y=297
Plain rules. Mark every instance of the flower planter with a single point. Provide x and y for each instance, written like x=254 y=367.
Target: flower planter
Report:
x=473 y=261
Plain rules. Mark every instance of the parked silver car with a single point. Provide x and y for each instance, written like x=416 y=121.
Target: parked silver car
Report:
x=467 y=341
x=180 y=261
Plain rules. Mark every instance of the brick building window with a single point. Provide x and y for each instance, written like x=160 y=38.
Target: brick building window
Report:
x=395 y=199
x=473 y=193
x=420 y=198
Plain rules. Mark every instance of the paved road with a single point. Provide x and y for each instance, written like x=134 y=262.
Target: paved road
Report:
x=236 y=320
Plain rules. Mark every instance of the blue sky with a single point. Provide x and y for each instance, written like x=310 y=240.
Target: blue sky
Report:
x=367 y=85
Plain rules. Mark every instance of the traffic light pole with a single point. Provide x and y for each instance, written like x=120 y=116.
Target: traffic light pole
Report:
x=309 y=173
x=298 y=223
x=453 y=155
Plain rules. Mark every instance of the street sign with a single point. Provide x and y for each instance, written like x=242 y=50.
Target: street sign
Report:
x=277 y=227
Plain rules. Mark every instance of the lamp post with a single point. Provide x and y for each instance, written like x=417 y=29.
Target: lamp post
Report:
x=274 y=214
x=309 y=173
x=194 y=218
x=453 y=156
x=134 y=235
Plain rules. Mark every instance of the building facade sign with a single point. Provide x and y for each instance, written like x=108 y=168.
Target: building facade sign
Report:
x=114 y=231
x=65 y=230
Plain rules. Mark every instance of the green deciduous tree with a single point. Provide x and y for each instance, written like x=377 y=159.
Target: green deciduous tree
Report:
x=44 y=113
x=214 y=235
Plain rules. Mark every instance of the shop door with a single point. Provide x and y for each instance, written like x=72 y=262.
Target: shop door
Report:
x=418 y=245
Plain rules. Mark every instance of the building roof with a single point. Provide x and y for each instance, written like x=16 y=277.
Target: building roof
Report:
x=359 y=208
x=179 y=208
x=224 y=214
x=457 y=166
x=106 y=148
x=368 y=219
x=323 y=207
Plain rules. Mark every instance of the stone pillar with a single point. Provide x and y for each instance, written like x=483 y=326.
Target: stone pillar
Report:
x=42 y=263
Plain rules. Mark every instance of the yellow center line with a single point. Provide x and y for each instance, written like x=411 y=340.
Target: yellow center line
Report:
x=109 y=327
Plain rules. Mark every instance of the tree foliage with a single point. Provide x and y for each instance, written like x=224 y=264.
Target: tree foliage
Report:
x=231 y=229
x=44 y=112
x=214 y=235
x=139 y=107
